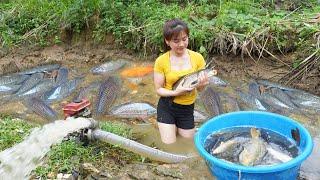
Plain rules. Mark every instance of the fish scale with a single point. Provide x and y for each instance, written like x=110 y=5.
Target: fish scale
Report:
x=13 y=79
x=38 y=69
x=108 y=92
x=41 y=108
x=211 y=101
x=133 y=110
x=30 y=82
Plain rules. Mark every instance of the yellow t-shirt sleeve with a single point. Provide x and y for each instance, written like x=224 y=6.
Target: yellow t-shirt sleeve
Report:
x=158 y=66
x=201 y=63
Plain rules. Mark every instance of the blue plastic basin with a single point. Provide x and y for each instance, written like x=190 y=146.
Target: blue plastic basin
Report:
x=283 y=125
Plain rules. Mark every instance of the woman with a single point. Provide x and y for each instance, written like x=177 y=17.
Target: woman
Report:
x=175 y=107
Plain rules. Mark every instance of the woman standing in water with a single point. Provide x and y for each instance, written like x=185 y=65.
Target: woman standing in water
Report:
x=175 y=107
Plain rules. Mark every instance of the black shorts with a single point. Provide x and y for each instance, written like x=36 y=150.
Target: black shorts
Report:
x=169 y=112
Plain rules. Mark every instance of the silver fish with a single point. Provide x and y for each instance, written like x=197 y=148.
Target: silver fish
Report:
x=134 y=110
x=254 y=150
x=38 y=69
x=62 y=76
x=217 y=81
x=211 y=101
x=13 y=79
x=278 y=155
x=270 y=84
x=199 y=116
x=191 y=80
x=41 y=108
x=61 y=91
x=30 y=82
x=252 y=101
x=108 y=92
x=283 y=97
x=109 y=67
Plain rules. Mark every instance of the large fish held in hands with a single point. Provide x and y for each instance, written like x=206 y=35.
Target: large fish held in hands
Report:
x=254 y=150
x=191 y=80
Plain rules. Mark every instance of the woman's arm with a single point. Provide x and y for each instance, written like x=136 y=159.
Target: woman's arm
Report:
x=159 y=81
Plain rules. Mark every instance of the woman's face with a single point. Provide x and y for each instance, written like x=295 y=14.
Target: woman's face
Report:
x=179 y=44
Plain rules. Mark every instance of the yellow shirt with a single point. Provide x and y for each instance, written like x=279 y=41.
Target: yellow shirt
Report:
x=162 y=66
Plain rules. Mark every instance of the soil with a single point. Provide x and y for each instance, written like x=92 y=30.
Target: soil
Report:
x=88 y=54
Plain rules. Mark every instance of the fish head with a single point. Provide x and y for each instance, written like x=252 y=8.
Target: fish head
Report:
x=255 y=133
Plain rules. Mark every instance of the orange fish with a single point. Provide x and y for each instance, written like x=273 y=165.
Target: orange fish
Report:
x=138 y=71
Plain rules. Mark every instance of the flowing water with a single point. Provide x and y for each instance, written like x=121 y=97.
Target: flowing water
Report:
x=140 y=89
x=18 y=161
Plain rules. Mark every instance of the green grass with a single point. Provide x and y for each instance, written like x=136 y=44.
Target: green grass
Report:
x=216 y=25
x=12 y=131
x=69 y=155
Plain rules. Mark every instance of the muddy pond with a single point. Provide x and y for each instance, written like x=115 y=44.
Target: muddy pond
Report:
x=135 y=78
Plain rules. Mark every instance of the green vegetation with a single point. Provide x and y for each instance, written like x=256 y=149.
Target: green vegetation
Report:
x=12 y=131
x=69 y=155
x=249 y=27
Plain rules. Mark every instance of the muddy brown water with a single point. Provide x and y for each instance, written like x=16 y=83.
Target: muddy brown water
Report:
x=80 y=61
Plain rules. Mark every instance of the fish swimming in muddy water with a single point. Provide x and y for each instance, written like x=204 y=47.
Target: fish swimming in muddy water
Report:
x=252 y=101
x=13 y=79
x=217 y=81
x=108 y=92
x=39 y=69
x=283 y=97
x=41 y=108
x=211 y=101
x=254 y=150
x=191 y=80
x=33 y=80
x=270 y=84
x=134 y=110
x=108 y=67
x=62 y=75
x=61 y=91
x=254 y=89
x=199 y=116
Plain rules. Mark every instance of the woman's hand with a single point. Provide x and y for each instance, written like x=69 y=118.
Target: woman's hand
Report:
x=181 y=90
x=203 y=80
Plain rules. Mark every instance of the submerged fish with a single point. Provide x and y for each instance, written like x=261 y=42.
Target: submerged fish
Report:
x=211 y=101
x=108 y=67
x=199 y=116
x=13 y=79
x=38 y=69
x=254 y=89
x=191 y=80
x=217 y=81
x=108 y=93
x=254 y=150
x=283 y=97
x=33 y=80
x=252 y=101
x=230 y=144
x=278 y=155
x=41 y=108
x=269 y=84
x=133 y=110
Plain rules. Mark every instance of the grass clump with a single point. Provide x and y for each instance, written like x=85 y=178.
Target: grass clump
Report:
x=224 y=26
x=12 y=131
x=69 y=155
